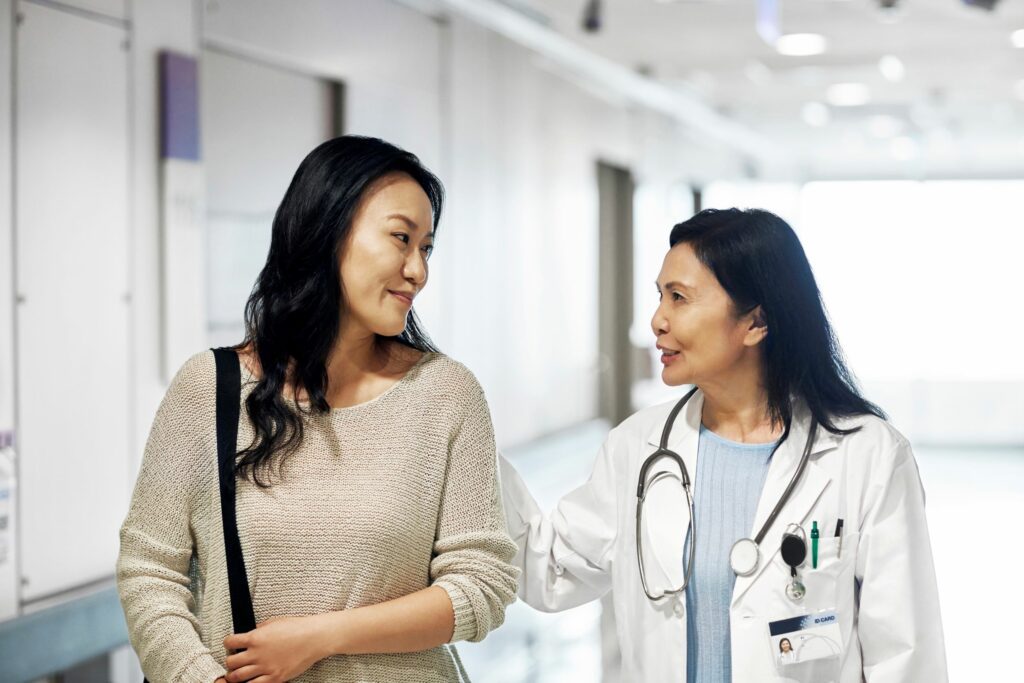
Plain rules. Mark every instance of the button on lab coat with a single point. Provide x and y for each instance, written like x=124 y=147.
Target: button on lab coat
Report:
x=882 y=585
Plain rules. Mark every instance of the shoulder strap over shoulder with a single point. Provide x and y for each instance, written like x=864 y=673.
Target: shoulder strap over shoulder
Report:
x=229 y=387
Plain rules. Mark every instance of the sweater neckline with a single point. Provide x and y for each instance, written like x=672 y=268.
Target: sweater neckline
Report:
x=739 y=445
x=250 y=378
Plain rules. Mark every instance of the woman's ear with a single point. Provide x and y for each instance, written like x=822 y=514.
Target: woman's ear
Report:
x=758 y=327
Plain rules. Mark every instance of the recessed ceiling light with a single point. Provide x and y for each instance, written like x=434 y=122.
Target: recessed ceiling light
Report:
x=892 y=68
x=847 y=94
x=801 y=44
x=903 y=148
x=815 y=114
x=1017 y=38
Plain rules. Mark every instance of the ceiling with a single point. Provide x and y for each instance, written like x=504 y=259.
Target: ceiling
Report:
x=957 y=111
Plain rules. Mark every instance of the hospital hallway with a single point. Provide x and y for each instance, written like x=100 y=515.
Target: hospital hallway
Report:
x=975 y=510
x=152 y=151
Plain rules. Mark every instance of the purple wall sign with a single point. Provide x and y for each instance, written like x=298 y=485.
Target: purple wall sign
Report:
x=179 y=107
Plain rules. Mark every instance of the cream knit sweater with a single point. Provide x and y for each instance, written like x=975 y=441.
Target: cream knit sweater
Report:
x=382 y=499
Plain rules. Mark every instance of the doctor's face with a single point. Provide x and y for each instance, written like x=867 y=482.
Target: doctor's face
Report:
x=700 y=336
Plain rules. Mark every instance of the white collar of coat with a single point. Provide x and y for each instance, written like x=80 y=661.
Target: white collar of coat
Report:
x=687 y=427
x=684 y=440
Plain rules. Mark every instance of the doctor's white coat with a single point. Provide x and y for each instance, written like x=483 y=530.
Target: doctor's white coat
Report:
x=882 y=586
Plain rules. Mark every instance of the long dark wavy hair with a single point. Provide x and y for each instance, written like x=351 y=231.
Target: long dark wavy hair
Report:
x=295 y=308
x=759 y=261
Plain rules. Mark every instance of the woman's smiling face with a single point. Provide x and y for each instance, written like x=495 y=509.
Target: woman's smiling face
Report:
x=383 y=264
x=698 y=331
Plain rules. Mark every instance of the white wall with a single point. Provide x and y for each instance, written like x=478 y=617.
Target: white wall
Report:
x=521 y=248
x=156 y=25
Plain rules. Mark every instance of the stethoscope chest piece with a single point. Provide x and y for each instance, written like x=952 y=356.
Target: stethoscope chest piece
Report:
x=744 y=557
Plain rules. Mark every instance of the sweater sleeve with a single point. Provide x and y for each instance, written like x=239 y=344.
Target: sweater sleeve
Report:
x=472 y=550
x=157 y=542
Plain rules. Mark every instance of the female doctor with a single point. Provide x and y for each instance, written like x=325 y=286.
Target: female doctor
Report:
x=773 y=441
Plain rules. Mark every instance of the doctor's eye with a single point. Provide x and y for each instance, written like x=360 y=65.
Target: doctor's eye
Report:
x=676 y=296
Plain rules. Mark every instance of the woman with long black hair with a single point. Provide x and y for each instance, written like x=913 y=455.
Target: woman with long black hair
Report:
x=367 y=502
x=770 y=503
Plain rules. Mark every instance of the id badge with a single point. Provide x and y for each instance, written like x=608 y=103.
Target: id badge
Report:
x=805 y=638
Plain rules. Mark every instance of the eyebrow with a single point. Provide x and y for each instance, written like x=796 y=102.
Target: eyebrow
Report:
x=670 y=285
x=405 y=219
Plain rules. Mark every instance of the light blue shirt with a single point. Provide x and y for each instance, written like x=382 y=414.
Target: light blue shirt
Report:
x=727 y=488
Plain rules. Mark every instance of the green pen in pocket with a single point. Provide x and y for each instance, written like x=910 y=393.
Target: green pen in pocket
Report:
x=814 y=545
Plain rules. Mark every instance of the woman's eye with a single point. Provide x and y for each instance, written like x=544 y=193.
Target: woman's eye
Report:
x=428 y=250
x=402 y=236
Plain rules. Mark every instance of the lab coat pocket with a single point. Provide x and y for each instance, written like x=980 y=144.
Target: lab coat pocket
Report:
x=831 y=583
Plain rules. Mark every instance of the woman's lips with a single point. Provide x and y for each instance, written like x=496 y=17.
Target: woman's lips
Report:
x=404 y=298
x=669 y=358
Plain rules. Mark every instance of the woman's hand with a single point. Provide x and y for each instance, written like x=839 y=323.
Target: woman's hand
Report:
x=278 y=650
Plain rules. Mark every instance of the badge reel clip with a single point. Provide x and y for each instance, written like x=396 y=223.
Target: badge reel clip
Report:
x=794 y=552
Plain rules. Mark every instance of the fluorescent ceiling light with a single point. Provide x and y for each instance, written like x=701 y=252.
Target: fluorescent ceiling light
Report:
x=892 y=68
x=847 y=94
x=801 y=44
x=815 y=114
x=1017 y=38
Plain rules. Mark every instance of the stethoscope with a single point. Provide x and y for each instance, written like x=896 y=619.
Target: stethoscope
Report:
x=745 y=555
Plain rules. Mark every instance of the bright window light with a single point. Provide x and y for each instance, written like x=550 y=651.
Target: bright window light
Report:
x=1017 y=38
x=933 y=266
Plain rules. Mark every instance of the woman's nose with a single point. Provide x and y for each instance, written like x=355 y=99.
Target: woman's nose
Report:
x=415 y=269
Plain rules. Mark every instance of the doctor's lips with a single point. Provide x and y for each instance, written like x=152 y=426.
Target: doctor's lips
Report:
x=667 y=355
x=405 y=297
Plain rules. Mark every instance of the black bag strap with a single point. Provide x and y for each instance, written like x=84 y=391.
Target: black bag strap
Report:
x=229 y=388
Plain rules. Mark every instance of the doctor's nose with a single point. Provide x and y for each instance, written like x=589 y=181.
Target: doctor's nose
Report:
x=659 y=323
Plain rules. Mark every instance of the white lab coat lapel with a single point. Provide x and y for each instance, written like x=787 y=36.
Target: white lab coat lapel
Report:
x=666 y=514
x=812 y=484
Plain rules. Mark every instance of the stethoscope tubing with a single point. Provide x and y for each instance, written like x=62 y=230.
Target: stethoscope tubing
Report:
x=643 y=486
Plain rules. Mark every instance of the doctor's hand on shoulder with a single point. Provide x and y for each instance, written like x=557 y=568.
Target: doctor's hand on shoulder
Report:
x=768 y=525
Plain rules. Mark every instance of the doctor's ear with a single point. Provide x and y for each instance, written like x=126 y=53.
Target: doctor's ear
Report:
x=758 y=328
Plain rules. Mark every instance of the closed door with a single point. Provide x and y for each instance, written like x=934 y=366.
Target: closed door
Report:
x=71 y=234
